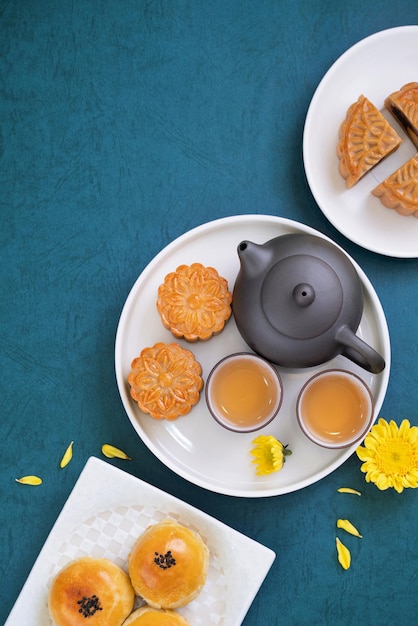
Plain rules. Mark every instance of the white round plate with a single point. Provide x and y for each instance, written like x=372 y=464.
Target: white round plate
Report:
x=195 y=446
x=374 y=67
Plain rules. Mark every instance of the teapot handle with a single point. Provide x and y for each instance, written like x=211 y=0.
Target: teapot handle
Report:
x=359 y=351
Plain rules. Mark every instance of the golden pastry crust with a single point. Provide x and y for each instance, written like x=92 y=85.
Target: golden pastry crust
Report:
x=403 y=105
x=400 y=190
x=148 y=616
x=165 y=381
x=194 y=302
x=91 y=590
x=365 y=139
x=168 y=565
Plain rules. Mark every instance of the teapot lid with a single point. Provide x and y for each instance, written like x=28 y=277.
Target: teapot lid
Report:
x=306 y=291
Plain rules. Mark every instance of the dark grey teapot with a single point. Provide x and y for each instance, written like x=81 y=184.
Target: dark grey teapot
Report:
x=298 y=302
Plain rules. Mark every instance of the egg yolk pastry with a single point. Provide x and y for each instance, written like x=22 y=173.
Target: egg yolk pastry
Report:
x=168 y=565
x=91 y=591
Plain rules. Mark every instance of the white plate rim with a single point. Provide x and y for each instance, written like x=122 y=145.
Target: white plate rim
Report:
x=123 y=489
x=250 y=220
x=388 y=220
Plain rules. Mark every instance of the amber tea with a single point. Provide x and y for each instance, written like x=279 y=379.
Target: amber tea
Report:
x=244 y=392
x=335 y=408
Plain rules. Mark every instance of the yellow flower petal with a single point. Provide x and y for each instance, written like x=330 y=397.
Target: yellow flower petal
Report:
x=344 y=556
x=68 y=455
x=364 y=454
x=349 y=490
x=348 y=527
x=29 y=480
x=111 y=452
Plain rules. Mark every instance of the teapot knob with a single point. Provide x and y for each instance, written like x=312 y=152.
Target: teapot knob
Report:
x=304 y=294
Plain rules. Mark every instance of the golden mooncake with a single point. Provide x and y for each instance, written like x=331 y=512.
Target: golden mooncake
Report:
x=194 y=302
x=148 y=616
x=400 y=190
x=365 y=139
x=168 y=565
x=91 y=590
x=165 y=380
x=403 y=105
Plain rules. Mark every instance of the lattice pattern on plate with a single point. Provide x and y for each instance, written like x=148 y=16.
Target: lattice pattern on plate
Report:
x=111 y=534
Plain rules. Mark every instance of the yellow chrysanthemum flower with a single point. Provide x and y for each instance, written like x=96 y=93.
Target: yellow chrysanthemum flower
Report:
x=269 y=454
x=390 y=455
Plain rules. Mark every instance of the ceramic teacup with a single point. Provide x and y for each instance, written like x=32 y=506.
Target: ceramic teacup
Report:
x=335 y=408
x=244 y=392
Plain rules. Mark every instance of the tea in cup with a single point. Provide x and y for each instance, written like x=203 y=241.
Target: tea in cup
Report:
x=335 y=408
x=244 y=392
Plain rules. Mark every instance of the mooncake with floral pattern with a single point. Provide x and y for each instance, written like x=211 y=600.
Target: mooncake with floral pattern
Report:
x=194 y=302
x=165 y=381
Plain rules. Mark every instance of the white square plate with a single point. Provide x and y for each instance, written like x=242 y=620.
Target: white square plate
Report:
x=105 y=513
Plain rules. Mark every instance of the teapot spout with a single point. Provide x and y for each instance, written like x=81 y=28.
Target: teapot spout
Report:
x=255 y=258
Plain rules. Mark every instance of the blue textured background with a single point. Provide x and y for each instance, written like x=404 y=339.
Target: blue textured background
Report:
x=123 y=125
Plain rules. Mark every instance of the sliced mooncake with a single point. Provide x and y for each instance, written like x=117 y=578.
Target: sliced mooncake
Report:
x=365 y=139
x=400 y=190
x=403 y=105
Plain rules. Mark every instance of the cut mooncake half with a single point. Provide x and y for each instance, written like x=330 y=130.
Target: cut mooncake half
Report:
x=400 y=190
x=365 y=139
x=403 y=105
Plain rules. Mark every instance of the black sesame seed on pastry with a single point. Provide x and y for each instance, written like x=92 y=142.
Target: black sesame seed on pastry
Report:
x=91 y=591
x=168 y=565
